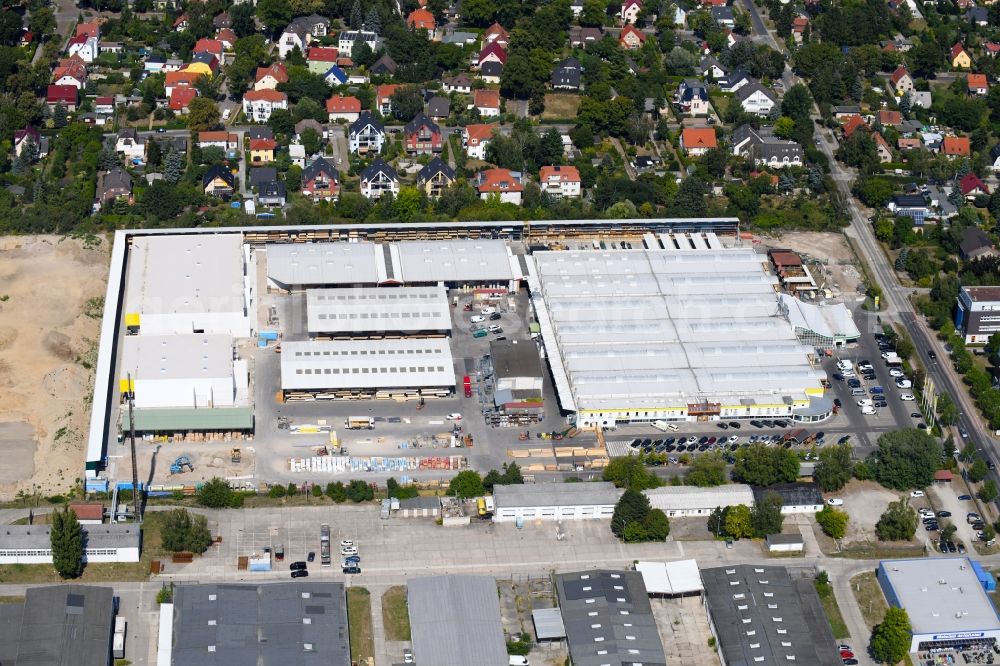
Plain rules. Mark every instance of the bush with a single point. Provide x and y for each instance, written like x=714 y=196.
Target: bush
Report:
x=183 y=532
x=165 y=595
x=276 y=491
x=520 y=647
x=337 y=492
x=833 y=521
x=898 y=523
x=359 y=491
x=317 y=491
x=215 y=493
x=466 y=483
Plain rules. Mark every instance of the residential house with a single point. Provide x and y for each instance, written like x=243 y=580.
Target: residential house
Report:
x=977 y=84
x=112 y=186
x=153 y=64
x=104 y=105
x=131 y=145
x=335 y=76
x=500 y=182
x=994 y=162
x=181 y=23
x=321 y=58
x=180 y=99
x=259 y=132
x=692 y=98
x=697 y=141
x=631 y=38
x=492 y=52
x=487 y=102
x=733 y=81
x=991 y=49
x=297 y=154
x=438 y=108
x=887 y=118
x=366 y=134
x=756 y=99
x=971 y=186
x=979 y=16
x=560 y=181
x=320 y=180
x=206 y=45
x=764 y=148
x=710 y=68
x=268 y=78
x=882 y=148
x=459 y=84
x=383 y=98
x=901 y=81
x=976 y=243
x=219 y=182
x=421 y=19
x=347 y=39
x=309 y=123
x=460 y=38
x=260 y=175
x=65 y=95
x=495 y=34
x=378 y=179
x=956 y=146
x=910 y=205
x=227 y=141
x=301 y=32
x=203 y=63
x=800 y=25
x=566 y=75
x=908 y=143
x=490 y=72
x=227 y=38
x=723 y=16
x=222 y=20
x=576 y=6
x=173 y=65
x=959 y=57
x=183 y=79
x=85 y=46
x=262 y=150
x=271 y=194
x=846 y=111
x=434 y=178
x=28 y=135
x=476 y=137
x=258 y=104
x=582 y=37
x=343 y=108
x=630 y=11
x=422 y=136
x=384 y=66
x=921 y=98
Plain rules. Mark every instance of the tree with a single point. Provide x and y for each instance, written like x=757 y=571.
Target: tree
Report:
x=281 y=122
x=203 y=114
x=891 y=638
x=631 y=472
x=766 y=515
x=173 y=166
x=759 y=465
x=833 y=521
x=67 y=543
x=988 y=491
x=373 y=22
x=407 y=102
x=466 y=483
x=797 y=102
x=738 y=522
x=978 y=470
x=947 y=410
x=161 y=201
x=835 y=467
x=241 y=17
x=274 y=14
x=906 y=459
x=897 y=523
x=359 y=491
x=708 y=469
x=656 y=525
x=60 y=116
x=216 y=493
x=183 y=532
x=632 y=507
x=337 y=492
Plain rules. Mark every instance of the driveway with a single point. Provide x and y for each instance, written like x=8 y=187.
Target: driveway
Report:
x=945 y=496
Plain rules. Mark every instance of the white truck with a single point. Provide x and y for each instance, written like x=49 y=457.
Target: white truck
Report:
x=360 y=423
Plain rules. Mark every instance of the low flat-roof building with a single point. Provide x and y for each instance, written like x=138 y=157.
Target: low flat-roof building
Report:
x=785 y=543
x=32 y=544
x=555 y=501
x=271 y=624
x=548 y=624
x=795 y=497
x=695 y=501
x=367 y=368
x=946 y=602
x=373 y=311
x=59 y=625
x=455 y=621
x=517 y=377
x=671 y=579
x=760 y=615
x=190 y=284
x=608 y=619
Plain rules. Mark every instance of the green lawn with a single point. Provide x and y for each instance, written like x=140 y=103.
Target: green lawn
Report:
x=396 y=614
x=359 y=622
x=832 y=611
x=871 y=601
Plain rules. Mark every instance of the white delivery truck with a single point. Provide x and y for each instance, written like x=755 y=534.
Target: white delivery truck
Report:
x=360 y=423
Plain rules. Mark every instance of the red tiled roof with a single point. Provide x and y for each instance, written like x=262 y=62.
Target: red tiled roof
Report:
x=971 y=182
x=699 y=137
x=852 y=124
x=181 y=77
x=943 y=475
x=262 y=144
x=212 y=46
x=265 y=95
x=384 y=92
x=631 y=29
x=341 y=104
x=565 y=174
x=181 y=96
x=421 y=19
x=55 y=94
x=977 y=82
x=487 y=99
x=322 y=54
x=898 y=74
x=91 y=29
x=956 y=50
x=889 y=118
x=477 y=133
x=495 y=29
x=498 y=180
x=493 y=49
x=956 y=145
x=276 y=70
x=88 y=510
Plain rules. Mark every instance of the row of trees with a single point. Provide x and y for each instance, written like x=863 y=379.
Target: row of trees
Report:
x=742 y=522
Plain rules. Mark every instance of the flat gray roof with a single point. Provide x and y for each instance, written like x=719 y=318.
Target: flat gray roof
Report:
x=761 y=615
x=31 y=537
x=941 y=595
x=305 y=264
x=185 y=274
x=661 y=328
x=599 y=493
x=201 y=356
x=270 y=624
x=375 y=364
x=372 y=309
x=515 y=359
x=784 y=539
x=59 y=625
x=548 y=623
x=608 y=619
x=477 y=260
x=455 y=621
x=689 y=498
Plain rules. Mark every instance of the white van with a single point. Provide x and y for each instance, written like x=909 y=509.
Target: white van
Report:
x=517 y=660
x=845 y=365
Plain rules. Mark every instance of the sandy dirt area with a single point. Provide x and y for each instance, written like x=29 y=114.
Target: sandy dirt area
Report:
x=51 y=300
x=839 y=272
x=866 y=501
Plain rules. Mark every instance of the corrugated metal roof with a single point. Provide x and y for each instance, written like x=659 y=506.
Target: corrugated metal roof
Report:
x=600 y=493
x=689 y=498
x=167 y=419
x=548 y=624
x=375 y=364
x=406 y=309
x=455 y=621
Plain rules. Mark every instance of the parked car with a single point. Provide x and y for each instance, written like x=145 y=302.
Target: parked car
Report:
x=916 y=493
x=835 y=501
x=906 y=397
x=300 y=573
x=297 y=566
x=311 y=557
x=351 y=570
x=477 y=319
x=944 y=514
x=965 y=498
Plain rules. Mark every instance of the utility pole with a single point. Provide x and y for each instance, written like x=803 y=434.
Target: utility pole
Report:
x=131 y=439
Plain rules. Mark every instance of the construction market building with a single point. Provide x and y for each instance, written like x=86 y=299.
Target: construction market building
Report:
x=375 y=312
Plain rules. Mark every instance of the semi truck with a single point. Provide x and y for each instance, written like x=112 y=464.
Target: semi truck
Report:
x=324 y=545
x=360 y=423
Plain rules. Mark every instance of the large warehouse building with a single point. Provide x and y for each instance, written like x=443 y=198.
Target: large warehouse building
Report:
x=455 y=621
x=32 y=544
x=554 y=501
x=675 y=334
x=328 y=369
x=377 y=311
x=695 y=501
x=945 y=599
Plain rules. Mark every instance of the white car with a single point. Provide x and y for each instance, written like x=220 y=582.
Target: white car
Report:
x=347 y=552
x=844 y=365
x=865 y=403
x=835 y=501
x=904 y=383
x=906 y=396
x=925 y=512
x=733 y=439
x=848 y=374
x=347 y=543
x=916 y=493
x=478 y=319
x=455 y=417
x=865 y=367
x=494 y=329
x=895 y=373
x=488 y=310
x=869 y=410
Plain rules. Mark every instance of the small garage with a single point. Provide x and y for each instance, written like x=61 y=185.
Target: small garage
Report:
x=785 y=543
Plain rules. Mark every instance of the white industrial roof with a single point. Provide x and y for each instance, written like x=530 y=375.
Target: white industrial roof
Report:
x=689 y=498
x=829 y=321
x=454 y=261
x=195 y=356
x=663 y=328
x=302 y=264
x=375 y=364
x=405 y=309
x=941 y=595
x=185 y=274
x=678 y=577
